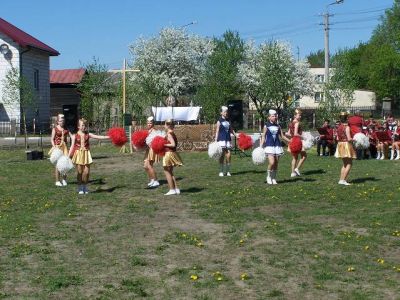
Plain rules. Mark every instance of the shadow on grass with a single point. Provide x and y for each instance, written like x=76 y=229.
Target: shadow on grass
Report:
x=101 y=157
x=291 y=180
x=249 y=171
x=99 y=181
x=192 y=190
x=312 y=172
x=108 y=190
x=364 y=179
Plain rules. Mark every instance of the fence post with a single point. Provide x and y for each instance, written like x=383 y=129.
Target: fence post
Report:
x=313 y=120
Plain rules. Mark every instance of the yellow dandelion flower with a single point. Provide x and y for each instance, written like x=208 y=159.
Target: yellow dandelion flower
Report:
x=199 y=244
x=219 y=278
x=366 y=247
x=194 y=277
x=316 y=256
x=350 y=269
x=244 y=276
x=380 y=261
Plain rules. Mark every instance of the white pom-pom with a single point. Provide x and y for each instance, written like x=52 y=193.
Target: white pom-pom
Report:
x=361 y=141
x=214 y=150
x=153 y=134
x=308 y=140
x=64 y=164
x=258 y=156
x=55 y=155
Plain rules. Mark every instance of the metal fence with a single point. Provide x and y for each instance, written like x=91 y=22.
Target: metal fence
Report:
x=15 y=127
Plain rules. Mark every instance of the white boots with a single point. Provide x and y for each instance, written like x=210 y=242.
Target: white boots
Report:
x=271 y=177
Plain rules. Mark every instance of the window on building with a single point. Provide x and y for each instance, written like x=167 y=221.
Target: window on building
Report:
x=320 y=78
x=36 y=79
x=318 y=97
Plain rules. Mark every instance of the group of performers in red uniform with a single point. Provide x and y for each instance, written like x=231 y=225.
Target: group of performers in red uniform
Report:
x=383 y=136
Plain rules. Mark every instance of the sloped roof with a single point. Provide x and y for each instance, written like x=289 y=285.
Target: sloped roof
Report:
x=23 y=39
x=67 y=76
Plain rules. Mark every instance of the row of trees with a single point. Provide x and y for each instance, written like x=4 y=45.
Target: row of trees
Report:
x=215 y=71
x=186 y=68
x=207 y=72
x=373 y=65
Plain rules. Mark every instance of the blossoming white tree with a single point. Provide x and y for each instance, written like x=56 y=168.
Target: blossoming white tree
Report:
x=271 y=77
x=171 y=63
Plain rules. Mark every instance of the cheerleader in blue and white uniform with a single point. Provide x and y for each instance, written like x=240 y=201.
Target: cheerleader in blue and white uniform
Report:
x=223 y=137
x=271 y=142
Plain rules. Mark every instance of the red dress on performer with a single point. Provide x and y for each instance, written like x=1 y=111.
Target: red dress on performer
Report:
x=60 y=140
x=82 y=155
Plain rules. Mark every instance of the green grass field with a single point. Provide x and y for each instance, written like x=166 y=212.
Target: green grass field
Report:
x=222 y=238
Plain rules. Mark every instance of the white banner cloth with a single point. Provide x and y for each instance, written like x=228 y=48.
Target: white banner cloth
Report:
x=190 y=113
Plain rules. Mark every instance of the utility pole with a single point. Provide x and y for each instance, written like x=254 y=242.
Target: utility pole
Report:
x=298 y=53
x=326 y=40
x=326 y=24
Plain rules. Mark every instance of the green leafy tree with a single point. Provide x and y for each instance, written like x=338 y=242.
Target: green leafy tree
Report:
x=388 y=31
x=271 y=77
x=219 y=82
x=99 y=92
x=316 y=59
x=18 y=91
x=339 y=91
x=170 y=63
x=383 y=71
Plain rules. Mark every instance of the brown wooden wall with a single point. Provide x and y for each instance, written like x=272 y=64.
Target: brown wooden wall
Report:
x=64 y=95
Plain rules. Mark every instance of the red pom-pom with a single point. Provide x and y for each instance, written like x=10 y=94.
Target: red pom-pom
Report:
x=245 y=141
x=158 y=145
x=117 y=136
x=139 y=138
x=295 y=145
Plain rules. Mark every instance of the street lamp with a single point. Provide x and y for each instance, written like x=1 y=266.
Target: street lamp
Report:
x=186 y=25
x=4 y=49
x=326 y=29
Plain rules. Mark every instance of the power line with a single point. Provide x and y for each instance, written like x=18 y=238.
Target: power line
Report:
x=284 y=32
x=279 y=26
x=287 y=35
x=369 y=19
x=352 y=28
x=360 y=12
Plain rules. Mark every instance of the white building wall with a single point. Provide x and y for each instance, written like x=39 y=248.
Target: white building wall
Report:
x=8 y=111
x=38 y=60
x=360 y=98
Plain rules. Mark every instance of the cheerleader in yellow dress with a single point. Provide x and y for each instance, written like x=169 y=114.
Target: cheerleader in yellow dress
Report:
x=81 y=156
x=59 y=137
x=344 y=149
x=150 y=158
x=171 y=158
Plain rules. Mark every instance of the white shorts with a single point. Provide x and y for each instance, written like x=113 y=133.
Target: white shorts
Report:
x=225 y=144
x=273 y=150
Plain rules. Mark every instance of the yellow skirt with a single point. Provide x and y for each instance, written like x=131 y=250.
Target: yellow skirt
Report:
x=62 y=147
x=151 y=156
x=345 y=149
x=172 y=159
x=82 y=157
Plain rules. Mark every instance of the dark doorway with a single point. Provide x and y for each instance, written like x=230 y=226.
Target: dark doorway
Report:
x=235 y=113
x=71 y=117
